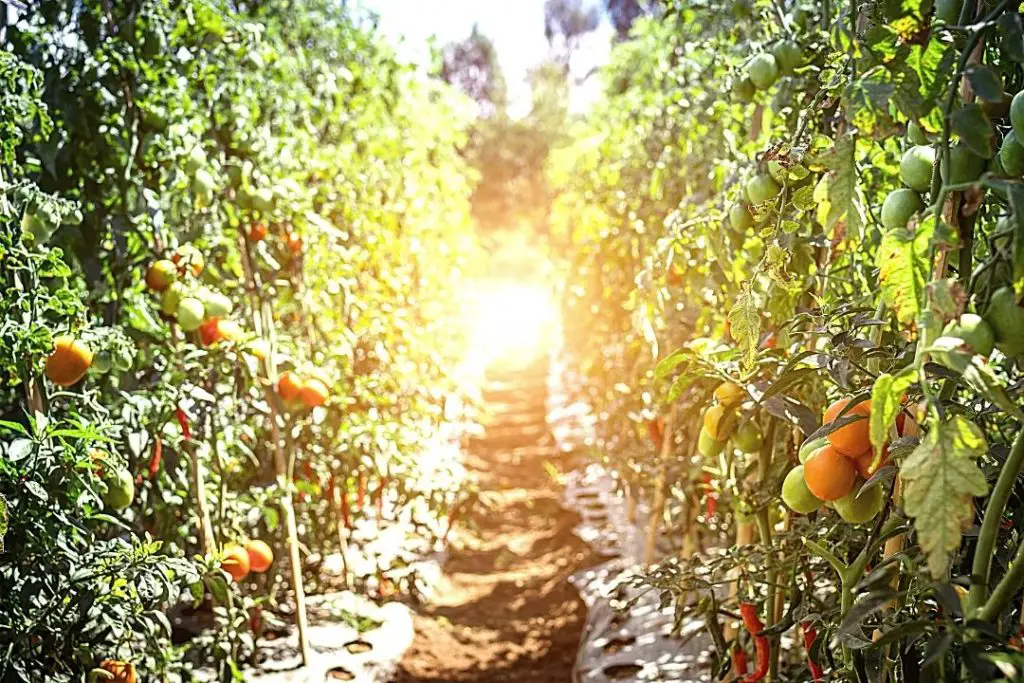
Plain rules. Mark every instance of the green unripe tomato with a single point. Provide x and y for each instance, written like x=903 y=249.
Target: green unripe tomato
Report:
x=762 y=188
x=120 y=489
x=898 y=208
x=916 y=134
x=809 y=447
x=916 y=167
x=191 y=314
x=1011 y=155
x=173 y=295
x=101 y=363
x=203 y=185
x=708 y=446
x=948 y=11
x=974 y=331
x=788 y=55
x=967 y=166
x=860 y=506
x=217 y=305
x=747 y=438
x=1006 y=318
x=796 y=495
x=763 y=71
x=1017 y=114
x=739 y=217
x=743 y=90
x=37 y=227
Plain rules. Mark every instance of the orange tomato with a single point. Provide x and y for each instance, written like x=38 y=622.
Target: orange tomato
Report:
x=123 y=672
x=235 y=562
x=854 y=438
x=289 y=385
x=294 y=243
x=209 y=332
x=829 y=474
x=730 y=394
x=260 y=555
x=313 y=393
x=719 y=421
x=257 y=232
x=864 y=460
x=69 y=361
x=187 y=256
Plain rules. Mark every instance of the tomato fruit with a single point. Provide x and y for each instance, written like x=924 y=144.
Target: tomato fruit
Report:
x=743 y=89
x=916 y=167
x=719 y=421
x=763 y=71
x=916 y=134
x=1006 y=318
x=796 y=495
x=1017 y=114
x=762 y=188
x=120 y=489
x=708 y=446
x=853 y=439
x=260 y=556
x=829 y=474
x=235 y=562
x=195 y=160
x=860 y=506
x=216 y=304
x=161 y=274
x=122 y=672
x=190 y=313
x=748 y=438
x=69 y=361
x=898 y=208
x=739 y=217
x=188 y=257
x=788 y=55
x=171 y=298
x=1011 y=155
x=730 y=394
x=967 y=166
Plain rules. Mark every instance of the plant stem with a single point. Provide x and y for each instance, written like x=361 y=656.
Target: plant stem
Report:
x=982 y=567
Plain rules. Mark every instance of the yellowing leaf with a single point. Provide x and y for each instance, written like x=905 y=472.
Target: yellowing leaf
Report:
x=940 y=478
x=903 y=270
x=745 y=323
x=885 y=403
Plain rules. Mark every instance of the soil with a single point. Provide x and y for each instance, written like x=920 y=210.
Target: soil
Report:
x=504 y=609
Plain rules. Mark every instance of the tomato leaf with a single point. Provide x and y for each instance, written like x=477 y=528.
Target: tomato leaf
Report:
x=941 y=477
x=886 y=395
x=904 y=269
x=975 y=130
x=745 y=321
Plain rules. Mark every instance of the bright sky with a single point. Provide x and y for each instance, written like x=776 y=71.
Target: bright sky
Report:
x=516 y=27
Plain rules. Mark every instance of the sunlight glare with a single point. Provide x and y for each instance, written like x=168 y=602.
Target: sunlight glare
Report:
x=510 y=321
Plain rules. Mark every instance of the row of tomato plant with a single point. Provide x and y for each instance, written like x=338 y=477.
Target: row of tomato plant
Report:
x=794 y=234
x=231 y=241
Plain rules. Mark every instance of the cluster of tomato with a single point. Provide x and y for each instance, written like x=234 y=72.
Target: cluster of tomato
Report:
x=295 y=388
x=290 y=239
x=255 y=556
x=720 y=424
x=192 y=305
x=834 y=468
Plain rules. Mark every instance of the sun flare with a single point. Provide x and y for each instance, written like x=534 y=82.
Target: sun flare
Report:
x=510 y=322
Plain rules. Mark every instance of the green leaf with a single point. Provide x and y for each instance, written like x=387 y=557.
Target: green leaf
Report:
x=949 y=352
x=886 y=395
x=904 y=270
x=803 y=198
x=836 y=193
x=985 y=82
x=975 y=130
x=671 y=362
x=940 y=478
x=745 y=323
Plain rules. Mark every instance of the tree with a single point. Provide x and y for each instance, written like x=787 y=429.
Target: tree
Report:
x=565 y=22
x=471 y=65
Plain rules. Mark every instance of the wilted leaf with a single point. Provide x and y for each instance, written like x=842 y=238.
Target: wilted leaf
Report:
x=941 y=477
x=886 y=395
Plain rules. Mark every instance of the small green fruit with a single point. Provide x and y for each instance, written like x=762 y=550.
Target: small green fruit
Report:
x=916 y=167
x=101 y=363
x=898 y=207
x=763 y=71
x=171 y=298
x=1017 y=114
x=796 y=495
x=747 y=438
x=739 y=217
x=708 y=446
x=1006 y=318
x=788 y=55
x=195 y=160
x=916 y=134
x=809 y=447
x=1011 y=155
x=974 y=331
x=967 y=166
x=860 y=506
x=762 y=188
x=191 y=314
x=120 y=489
x=217 y=305
x=743 y=90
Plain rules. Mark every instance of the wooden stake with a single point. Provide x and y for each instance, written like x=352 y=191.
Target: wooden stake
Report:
x=658 y=502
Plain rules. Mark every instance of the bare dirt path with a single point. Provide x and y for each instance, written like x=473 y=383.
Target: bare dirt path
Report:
x=504 y=610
